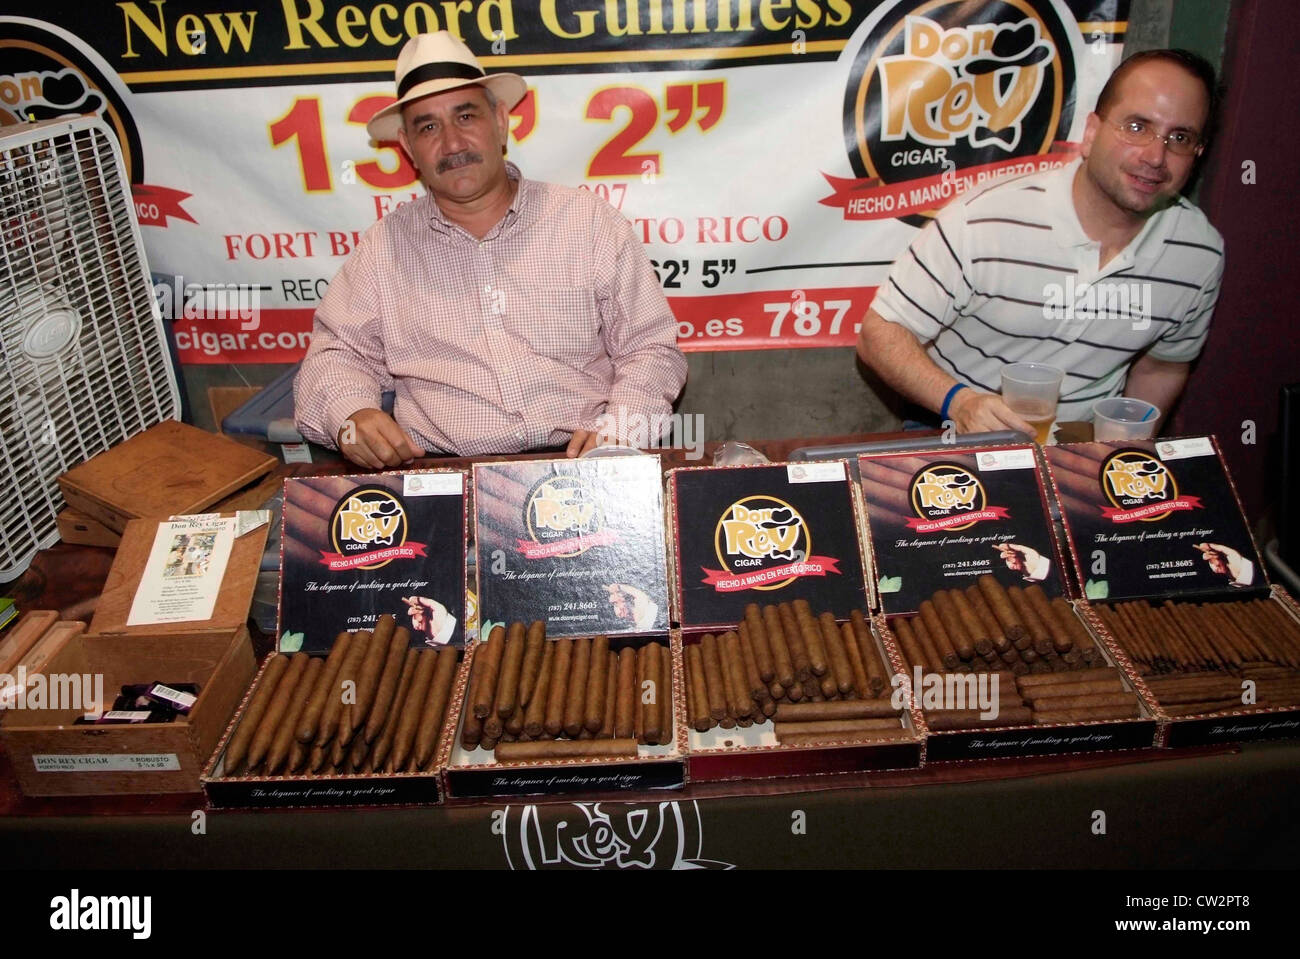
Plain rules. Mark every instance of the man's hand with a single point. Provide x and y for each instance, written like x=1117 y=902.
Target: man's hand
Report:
x=976 y=412
x=371 y=438
x=582 y=441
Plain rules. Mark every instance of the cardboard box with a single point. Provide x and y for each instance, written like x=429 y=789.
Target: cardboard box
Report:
x=53 y=756
x=170 y=469
x=1158 y=523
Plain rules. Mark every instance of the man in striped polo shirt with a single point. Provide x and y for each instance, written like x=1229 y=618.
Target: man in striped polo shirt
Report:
x=1100 y=268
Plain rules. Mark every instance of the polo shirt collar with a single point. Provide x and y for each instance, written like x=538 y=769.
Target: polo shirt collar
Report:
x=1069 y=231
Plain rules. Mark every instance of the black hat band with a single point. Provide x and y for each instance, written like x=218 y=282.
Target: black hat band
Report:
x=438 y=71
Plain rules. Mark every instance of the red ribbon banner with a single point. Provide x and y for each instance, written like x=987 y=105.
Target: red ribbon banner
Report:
x=154 y=204
x=572 y=544
x=1151 y=509
x=725 y=581
x=337 y=561
x=933 y=525
x=870 y=198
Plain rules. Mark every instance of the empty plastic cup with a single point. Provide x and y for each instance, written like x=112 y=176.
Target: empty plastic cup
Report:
x=1123 y=418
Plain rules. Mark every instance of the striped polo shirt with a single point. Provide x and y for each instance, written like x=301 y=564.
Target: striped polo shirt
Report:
x=1007 y=275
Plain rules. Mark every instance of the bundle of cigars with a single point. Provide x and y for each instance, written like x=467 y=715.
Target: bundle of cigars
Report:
x=373 y=705
x=818 y=680
x=532 y=699
x=1048 y=666
x=1195 y=657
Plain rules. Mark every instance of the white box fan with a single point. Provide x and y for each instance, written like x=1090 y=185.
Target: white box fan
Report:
x=85 y=364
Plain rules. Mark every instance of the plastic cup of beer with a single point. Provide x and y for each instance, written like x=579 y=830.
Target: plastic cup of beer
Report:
x=1123 y=418
x=1031 y=390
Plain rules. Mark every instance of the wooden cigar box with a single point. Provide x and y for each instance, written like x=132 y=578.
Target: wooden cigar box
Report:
x=80 y=529
x=54 y=756
x=169 y=469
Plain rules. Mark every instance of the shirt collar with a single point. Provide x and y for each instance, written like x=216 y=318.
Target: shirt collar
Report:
x=519 y=206
x=1069 y=231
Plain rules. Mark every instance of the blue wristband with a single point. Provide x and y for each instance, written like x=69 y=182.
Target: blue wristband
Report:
x=943 y=410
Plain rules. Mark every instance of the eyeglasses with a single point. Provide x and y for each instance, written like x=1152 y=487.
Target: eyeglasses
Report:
x=1139 y=134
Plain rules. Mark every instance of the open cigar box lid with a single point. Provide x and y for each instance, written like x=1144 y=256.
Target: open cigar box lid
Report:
x=768 y=533
x=131 y=565
x=353 y=548
x=577 y=543
x=941 y=518
x=1154 y=518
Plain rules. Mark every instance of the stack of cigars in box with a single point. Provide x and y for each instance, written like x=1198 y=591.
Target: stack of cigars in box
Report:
x=1196 y=657
x=373 y=705
x=531 y=699
x=1048 y=666
x=818 y=680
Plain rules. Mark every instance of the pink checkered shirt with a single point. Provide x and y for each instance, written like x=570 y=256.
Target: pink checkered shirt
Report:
x=499 y=345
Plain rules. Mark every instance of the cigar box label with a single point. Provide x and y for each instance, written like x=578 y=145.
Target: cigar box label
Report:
x=751 y=534
x=323 y=791
x=1141 y=524
x=1039 y=741
x=357 y=547
x=815 y=472
x=572 y=778
x=578 y=544
x=941 y=519
x=1234 y=729
x=106 y=762
x=433 y=484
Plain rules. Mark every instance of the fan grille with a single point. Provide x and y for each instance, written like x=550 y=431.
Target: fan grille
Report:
x=85 y=365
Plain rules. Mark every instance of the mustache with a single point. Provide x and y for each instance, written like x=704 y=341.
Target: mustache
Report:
x=458 y=160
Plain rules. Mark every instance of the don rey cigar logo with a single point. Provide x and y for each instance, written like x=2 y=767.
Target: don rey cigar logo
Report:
x=947 y=497
x=563 y=518
x=368 y=530
x=1140 y=488
x=762 y=542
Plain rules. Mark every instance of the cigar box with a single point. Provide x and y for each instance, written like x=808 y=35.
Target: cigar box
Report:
x=250 y=790
x=80 y=529
x=940 y=523
x=353 y=548
x=577 y=544
x=54 y=756
x=169 y=469
x=476 y=773
x=1163 y=553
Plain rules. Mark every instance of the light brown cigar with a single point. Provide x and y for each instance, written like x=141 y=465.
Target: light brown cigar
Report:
x=514 y=726
x=841 y=739
x=534 y=649
x=1032 y=694
x=794 y=639
x=925 y=643
x=1196 y=708
x=575 y=703
x=239 y=742
x=666 y=722
x=812 y=688
x=1088 y=699
x=286 y=732
x=1200 y=646
x=1086 y=714
x=357 y=754
x=1063 y=615
x=493 y=725
x=876 y=679
x=408 y=720
x=849 y=640
x=535 y=716
x=1062 y=641
x=777 y=691
x=758 y=639
x=277 y=709
x=611 y=695
x=911 y=649
x=794 y=693
x=829 y=685
x=386 y=689
x=489 y=743
x=733 y=675
x=768 y=707
x=555 y=698
x=754 y=685
x=1082 y=676
x=715 y=682
x=471 y=732
x=429 y=729
x=316 y=758
x=783 y=730
x=489 y=661
x=344 y=687
x=988 y=622
x=946 y=719
x=970 y=623
x=598 y=666
x=339 y=753
x=627 y=709
x=1225 y=644
x=372 y=669
x=1037 y=629
x=697 y=697
x=943 y=643
x=512 y=664
x=297 y=757
x=818 y=661
x=846 y=709
x=1169 y=697
x=309 y=722
x=956 y=629
x=782 y=665
x=565 y=749
x=836 y=654
x=996 y=597
x=650 y=673
x=383 y=746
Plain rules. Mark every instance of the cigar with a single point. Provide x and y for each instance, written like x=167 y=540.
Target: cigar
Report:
x=812 y=637
x=911 y=649
x=795 y=640
x=999 y=603
x=410 y=723
x=947 y=719
x=846 y=709
x=939 y=635
x=389 y=680
x=383 y=647
x=861 y=685
x=486 y=689
x=838 y=656
x=829 y=687
x=535 y=714
x=277 y=708
x=845 y=739
x=1088 y=699
x=1037 y=629
x=383 y=743
x=285 y=733
x=1031 y=694
x=733 y=674
x=988 y=622
x=331 y=716
x=665 y=697
x=782 y=665
x=309 y=722
x=777 y=691
x=980 y=638
x=596 y=683
x=512 y=664
x=651 y=672
x=715 y=683
x=697 y=697
x=876 y=671
x=758 y=639
x=555 y=698
x=1086 y=714
x=754 y=685
x=575 y=703
x=1062 y=641
x=534 y=650
x=625 y=705
x=565 y=749
x=945 y=606
x=611 y=696
x=784 y=730
x=925 y=644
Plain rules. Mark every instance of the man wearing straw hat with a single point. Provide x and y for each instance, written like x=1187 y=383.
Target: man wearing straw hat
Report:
x=506 y=314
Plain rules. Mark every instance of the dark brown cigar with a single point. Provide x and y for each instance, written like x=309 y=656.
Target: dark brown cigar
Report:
x=535 y=715
x=650 y=694
x=285 y=733
x=996 y=597
x=596 y=683
x=611 y=696
x=876 y=670
x=758 y=638
x=252 y=718
x=490 y=663
x=714 y=678
x=389 y=680
x=408 y=720
x=988 y=622
x=739 y=702
x=697 y=698
x=838 y=656
x=956 y=629
x=534 y=649
x=575 y=703
x=970 y=622
x=846 y=709
x=378 y=655
x=902 y=628
x=754 y=685
x=309 y=722
x=512 y=664
x=794 y=639
x=666 y=723
x=1086 y=714
x=812 y=637
x=782 y=664
x=344 y=691
x=565 y=749
x=626 y=706
x=1037 y=629
x=383 y=745
x=861 y=685
x=433 y=715
x=943 y=643
x=555 y=698
x=1062 y=641
x=842 y=739
x=946 y=719
x=783 y=730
